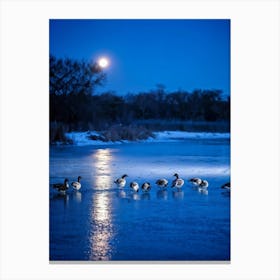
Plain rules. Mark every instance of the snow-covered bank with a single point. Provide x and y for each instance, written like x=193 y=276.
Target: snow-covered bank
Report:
x=183 y=135
x=83 y=138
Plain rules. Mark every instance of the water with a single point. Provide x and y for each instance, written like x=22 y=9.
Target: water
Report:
x=101 y=222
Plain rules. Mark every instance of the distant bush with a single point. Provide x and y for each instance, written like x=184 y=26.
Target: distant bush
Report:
x=96 y=137
x=130 y=132
x=57 y=133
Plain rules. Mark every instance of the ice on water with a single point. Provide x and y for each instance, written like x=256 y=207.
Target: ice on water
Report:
x=102 y=222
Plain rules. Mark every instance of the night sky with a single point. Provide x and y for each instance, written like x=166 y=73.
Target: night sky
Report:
x=179 y=54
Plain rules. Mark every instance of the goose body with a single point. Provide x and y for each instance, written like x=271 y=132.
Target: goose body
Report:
x=162 y=183
x=121 y=181
x=204 y=184
x=146 y=186
x=77 y=185
x=134 y=186
x=62 y=187
x=196 y=181
x=226 y=186
x=178 y=182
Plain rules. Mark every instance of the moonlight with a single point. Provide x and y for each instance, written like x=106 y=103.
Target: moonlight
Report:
x=103 y=62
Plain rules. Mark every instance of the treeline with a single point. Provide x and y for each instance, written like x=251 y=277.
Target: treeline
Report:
x=98 y=112
x=74 y=104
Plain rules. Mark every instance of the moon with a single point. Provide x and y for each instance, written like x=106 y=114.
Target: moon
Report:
x=103 y=62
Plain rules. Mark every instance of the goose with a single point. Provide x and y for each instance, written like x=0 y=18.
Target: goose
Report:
x=134 y=186
x=146 y=186
x=196 y=181
x=162 y=183
x=62 y=187
x=121 y=181
x=226 y=186
x=178 y=182
x=204 y=184
x=77 y=185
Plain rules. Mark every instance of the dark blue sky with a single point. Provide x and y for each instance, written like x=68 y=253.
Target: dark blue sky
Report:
x=180 y=54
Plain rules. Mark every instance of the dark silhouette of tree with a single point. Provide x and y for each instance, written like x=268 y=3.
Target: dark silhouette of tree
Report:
x=71 y=84
x=73 y=106
x=210 y=104
x=73 y=77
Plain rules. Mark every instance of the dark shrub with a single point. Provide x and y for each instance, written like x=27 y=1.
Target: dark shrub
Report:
x=57 y=133
x=131 y=133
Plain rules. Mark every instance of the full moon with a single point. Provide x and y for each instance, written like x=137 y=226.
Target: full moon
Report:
x=103 y=62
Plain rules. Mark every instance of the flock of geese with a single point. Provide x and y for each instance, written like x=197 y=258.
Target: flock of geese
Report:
x=146 y=186
x=161 y=183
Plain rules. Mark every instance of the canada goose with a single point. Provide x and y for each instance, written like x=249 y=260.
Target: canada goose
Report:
x=162 y=183
x=121 y=181
x=77 y=185
x=146 y=186
x=226 y=186
x=204 y=184
x=196 y=181
x=62 y=187
x=178 y=182
x=134 y=186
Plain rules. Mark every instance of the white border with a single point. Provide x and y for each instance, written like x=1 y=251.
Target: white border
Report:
x=255 y=138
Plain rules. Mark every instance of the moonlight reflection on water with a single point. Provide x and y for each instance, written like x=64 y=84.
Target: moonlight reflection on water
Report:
x=102 y=159
x=101 y=224
x=101 y=227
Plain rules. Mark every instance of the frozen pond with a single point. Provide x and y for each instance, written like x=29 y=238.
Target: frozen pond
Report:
x=101 y=222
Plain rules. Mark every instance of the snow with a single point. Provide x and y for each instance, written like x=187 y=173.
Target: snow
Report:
x=182 y=135
x=82 y=138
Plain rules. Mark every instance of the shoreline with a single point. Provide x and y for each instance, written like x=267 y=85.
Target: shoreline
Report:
x=83 y=138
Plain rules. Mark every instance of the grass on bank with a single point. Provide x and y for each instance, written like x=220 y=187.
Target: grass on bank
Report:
x=139 y=130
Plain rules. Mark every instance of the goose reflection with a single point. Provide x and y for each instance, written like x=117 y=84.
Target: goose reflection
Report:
x=203 y=191
x=145 y=196
x=178 y=194
x=135 y=196
x=121 y=194
x=62 y=197
x=162 y=194
x=225 y=193
x=77 y=196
